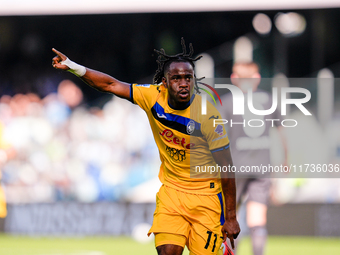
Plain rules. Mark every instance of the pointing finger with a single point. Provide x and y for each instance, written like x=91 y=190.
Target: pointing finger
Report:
x=61 y=55
x=55 y=51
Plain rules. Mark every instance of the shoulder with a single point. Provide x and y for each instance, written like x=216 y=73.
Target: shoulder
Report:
x=212 y=113
x=197 y=109
x=148 y=90
x=145 y=95
x=148 y=87
x=211 y=109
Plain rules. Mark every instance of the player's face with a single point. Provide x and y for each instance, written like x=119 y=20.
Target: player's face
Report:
x=179 y=81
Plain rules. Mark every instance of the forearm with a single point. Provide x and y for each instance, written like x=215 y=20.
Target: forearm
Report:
x=100 y=81
x=223 y=158
x=229 y=192
x=230 y=228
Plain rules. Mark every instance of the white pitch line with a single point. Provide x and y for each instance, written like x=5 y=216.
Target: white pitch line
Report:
x=79 y=253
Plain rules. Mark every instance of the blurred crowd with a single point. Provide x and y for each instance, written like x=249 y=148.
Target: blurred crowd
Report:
x=56 y=148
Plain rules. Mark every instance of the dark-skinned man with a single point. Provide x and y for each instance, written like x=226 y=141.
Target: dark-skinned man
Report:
x=193 y=209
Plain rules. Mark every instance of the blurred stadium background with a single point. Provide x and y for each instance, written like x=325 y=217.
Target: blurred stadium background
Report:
x=79 y=168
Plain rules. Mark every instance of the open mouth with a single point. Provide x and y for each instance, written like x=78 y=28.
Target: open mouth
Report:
x=184 y=94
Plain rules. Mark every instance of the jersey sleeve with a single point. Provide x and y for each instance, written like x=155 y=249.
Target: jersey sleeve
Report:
x=214 y=131
x=144 y=95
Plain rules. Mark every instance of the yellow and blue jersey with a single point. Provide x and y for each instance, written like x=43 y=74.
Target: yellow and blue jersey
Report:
x=185 y=139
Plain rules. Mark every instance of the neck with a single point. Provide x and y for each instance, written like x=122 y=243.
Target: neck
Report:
x=178 y=105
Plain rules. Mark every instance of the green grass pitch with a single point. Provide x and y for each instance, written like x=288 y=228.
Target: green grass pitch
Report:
x=23 y=245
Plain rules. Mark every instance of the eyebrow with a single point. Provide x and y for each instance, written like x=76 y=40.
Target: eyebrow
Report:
x=186 y=75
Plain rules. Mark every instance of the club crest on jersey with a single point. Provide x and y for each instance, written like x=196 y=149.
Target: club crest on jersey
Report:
x=191 y=127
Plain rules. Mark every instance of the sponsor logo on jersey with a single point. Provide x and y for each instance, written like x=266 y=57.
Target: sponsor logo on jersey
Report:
x=176 y=154
x=162 y=116
x=219 y=129
x=213 y=117
x=169 y=136
x=191 y=127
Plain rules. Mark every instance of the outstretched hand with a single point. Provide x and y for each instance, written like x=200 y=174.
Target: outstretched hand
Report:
x=230 y=229
x=57 y=60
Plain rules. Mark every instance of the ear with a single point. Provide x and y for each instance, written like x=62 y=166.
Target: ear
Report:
x=165 y=84
x=234 y=78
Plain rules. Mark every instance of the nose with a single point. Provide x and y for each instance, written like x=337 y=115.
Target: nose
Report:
x=184 y=83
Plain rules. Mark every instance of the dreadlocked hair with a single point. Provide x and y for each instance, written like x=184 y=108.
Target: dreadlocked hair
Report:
x=164 y=60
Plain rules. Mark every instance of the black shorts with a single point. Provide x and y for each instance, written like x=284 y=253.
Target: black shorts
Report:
x=253 y=189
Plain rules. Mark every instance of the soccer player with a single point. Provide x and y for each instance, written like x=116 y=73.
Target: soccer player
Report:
x=251 y=147
x=198 y=212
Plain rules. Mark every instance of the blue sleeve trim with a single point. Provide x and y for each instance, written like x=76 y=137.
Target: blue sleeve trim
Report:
x=131 y=94
x=221 y=149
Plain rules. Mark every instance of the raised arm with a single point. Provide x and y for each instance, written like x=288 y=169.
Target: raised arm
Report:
x=230 y=228
x=98 y=80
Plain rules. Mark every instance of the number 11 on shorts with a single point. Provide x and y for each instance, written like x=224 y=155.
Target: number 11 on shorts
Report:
x=209 y=239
